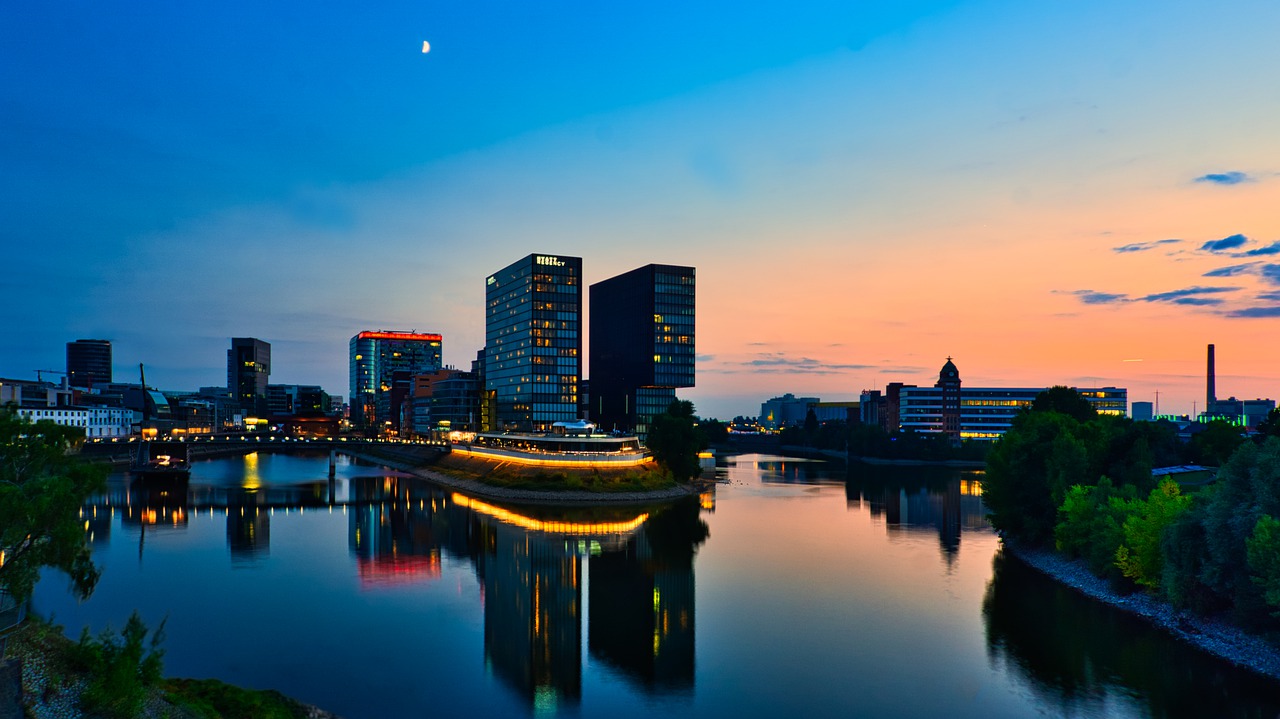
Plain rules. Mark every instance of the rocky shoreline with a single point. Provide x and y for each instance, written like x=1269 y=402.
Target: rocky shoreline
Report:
x=1219 y=638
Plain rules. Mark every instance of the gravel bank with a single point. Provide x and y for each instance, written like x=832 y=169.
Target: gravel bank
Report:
x=1219 y=638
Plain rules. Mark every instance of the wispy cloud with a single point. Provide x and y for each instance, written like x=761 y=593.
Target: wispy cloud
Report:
x=1188 y=296
x=1233 y=270
x=1271 y=249
x=1089 y=297
x=1255 y=312
x=1144 y=246
x=1224 y=178
x=1226 y=243
x=781 y=363
x=1270 y=273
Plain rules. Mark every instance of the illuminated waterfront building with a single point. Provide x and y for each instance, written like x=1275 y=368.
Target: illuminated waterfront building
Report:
x=642 y=344
x=248 y=368
x=533 y=342
x=984 y=413
x=376 y=357
x=89 y=363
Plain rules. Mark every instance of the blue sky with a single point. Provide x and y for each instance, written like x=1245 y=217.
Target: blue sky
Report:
x=174 y=176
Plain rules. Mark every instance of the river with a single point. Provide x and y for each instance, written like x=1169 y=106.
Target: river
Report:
x=793 y=589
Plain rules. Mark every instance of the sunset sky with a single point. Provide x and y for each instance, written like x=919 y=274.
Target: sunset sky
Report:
x=1051 y=193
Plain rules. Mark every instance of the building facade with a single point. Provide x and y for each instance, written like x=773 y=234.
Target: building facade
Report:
x=785 y=411
x=976 y=413
x=533 y=342
x=376 y=358
x=97 y=422
x=89 y=363
x=642 y=345
x=248 y=369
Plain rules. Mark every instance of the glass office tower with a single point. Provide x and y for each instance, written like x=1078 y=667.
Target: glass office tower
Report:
x=89 y=363
x=642 y=346
x=533 y=342
x=376 y=358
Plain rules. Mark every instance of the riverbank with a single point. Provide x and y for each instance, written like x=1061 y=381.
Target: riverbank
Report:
x=52 y=687
x=413 y=462
x=1216 y=637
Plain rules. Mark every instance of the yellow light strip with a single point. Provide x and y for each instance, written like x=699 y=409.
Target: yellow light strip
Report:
x=539 y=525
x=524 y=459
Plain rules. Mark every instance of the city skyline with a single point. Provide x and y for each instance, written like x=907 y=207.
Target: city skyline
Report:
x=1072 y=195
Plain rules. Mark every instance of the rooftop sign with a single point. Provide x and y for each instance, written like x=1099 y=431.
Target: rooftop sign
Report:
x=380 y=335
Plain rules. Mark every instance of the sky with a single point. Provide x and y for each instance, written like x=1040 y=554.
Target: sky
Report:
x=1083 y=193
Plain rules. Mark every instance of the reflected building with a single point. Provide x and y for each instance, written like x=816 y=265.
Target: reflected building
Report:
x=392 y=532
x=532 y=621
x=248 y=532
x=642 y=602
x=947 y=509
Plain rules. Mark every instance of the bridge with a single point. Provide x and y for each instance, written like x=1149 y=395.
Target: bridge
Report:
x=119 y=449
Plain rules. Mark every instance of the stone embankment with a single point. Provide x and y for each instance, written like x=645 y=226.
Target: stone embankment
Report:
x=1217 y=637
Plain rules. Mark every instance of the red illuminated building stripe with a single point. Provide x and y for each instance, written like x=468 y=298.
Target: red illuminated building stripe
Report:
x=398 y=336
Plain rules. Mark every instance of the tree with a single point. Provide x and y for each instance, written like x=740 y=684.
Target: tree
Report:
x=42 y=488
x=1066 y=401
x=1090 y=525
x=675 y=441
x=1140 y=557
x=1029 y=472
x=1215 y=442
x=1248 y=488
x=1270 y=426
x=1263 y=548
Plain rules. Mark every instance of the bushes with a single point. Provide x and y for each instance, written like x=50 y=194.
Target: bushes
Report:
x=1047 y=478
x=1091 y=525
x=121 y=669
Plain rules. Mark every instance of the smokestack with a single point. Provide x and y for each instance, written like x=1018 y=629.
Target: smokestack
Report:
x=1211 y=394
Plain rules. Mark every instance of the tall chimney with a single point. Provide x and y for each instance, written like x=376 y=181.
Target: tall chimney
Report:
x=1211 y=394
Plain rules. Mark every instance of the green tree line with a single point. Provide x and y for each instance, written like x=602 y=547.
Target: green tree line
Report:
x=1067 y=477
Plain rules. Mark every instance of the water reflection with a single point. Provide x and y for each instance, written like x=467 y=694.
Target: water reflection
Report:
x=642 y=602
x=530 y=565
x=921 y=500
x=1085 y=658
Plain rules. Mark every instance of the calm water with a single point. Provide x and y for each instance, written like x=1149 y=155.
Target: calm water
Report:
x=794 y=589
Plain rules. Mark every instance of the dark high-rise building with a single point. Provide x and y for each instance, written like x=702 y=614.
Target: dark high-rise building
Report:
x=642 y=349
x=89 y=363
x=248 y=368
x=376 y=357
x=533 y=341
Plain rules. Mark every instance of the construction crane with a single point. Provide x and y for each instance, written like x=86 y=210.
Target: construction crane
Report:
x=47 y=371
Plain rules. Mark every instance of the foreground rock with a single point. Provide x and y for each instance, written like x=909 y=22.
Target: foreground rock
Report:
x=1217 y=637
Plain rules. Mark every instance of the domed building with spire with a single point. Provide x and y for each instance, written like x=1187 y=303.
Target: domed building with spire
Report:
x=966 y=413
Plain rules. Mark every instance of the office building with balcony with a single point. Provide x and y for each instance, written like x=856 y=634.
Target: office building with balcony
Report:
x=533 y=342
x=376 y=358
x=248 y=369
x=642 y=345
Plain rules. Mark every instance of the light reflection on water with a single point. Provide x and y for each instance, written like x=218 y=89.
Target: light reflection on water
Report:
x=791 y=587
